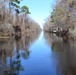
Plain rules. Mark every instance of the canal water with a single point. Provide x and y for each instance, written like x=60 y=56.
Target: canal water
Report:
x=37 y=54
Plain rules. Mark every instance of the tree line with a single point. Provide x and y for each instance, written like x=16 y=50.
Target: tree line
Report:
x=12 y=14
x=63 y=16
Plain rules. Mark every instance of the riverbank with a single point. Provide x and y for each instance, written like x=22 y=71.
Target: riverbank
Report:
x=7 y=30
x=70 y=35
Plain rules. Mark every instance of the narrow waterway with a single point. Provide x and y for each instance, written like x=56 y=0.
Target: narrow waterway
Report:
x=38 y=54
x=41 y=60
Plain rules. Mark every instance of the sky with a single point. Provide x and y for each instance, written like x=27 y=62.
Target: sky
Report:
x=40 y=9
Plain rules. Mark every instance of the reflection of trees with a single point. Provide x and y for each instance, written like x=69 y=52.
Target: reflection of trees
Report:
x=6 y=49
x=24 y=43
x=12 y=51
x=8 y=65
x=6 y=44
x=65 y=52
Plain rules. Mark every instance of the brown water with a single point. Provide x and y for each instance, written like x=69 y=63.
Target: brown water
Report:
x=37 y=54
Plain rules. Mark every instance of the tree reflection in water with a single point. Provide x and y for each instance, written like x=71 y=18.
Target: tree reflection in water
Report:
x=13 y=51
x=65 y=53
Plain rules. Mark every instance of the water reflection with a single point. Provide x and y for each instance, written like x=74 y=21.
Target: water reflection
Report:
x=65 y=54
x=12 y=51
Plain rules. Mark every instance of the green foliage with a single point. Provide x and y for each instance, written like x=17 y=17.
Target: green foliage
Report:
x=16 y=1
x=15 y=5
x=23 y=9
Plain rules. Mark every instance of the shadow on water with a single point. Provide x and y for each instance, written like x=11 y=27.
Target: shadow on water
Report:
x=12 y=51
x=65 y=54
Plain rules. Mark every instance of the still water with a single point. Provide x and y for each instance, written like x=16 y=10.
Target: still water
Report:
x=37 y=54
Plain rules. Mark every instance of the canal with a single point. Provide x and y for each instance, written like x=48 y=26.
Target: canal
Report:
x=37 y=54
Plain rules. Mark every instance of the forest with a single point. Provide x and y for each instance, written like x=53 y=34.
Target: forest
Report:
x=63 y=17
x=15 y=19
